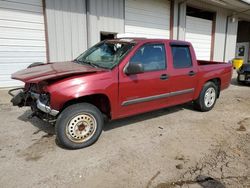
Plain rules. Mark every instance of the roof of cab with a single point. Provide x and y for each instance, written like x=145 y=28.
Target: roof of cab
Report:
x=137 y=40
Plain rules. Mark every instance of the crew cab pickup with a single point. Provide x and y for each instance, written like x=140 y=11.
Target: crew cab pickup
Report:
x=116 y=79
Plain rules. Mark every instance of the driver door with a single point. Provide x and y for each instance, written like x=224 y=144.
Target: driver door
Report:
x=145 y=91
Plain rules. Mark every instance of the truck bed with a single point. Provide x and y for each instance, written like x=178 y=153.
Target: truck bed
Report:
x=205 y=62
x=220 y=70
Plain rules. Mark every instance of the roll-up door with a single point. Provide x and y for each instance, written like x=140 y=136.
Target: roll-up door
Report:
x=22 y=37
x=147 y=18
x=199 y=33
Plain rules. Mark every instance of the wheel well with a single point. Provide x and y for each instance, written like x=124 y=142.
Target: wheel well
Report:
x=101 y=101
x=217 y=82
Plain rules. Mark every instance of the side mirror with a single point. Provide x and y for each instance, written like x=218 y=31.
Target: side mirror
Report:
x=134 y=68
x=35 y=64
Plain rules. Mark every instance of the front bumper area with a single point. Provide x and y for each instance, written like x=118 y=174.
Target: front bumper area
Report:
x=27 y=98
x=18 y=95
x=46 y=109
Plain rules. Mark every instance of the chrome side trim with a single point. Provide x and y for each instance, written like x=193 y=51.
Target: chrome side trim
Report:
x=155 y=97
x=45 y=108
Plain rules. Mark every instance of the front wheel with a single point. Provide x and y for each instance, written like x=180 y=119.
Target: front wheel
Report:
x=207 y=98
x=79 y=126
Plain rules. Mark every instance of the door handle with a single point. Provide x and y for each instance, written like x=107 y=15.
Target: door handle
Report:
x=192 y=73
x=164 y=77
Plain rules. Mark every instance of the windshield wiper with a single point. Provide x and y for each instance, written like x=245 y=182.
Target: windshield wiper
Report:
x=91 y=64
x=87 y=62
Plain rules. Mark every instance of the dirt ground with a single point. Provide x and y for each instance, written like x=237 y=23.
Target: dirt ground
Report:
x=173 y=147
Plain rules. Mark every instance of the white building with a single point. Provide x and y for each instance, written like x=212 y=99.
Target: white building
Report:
x=59 y=30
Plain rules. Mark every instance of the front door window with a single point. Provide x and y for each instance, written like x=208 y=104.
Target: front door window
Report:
x=151 y=56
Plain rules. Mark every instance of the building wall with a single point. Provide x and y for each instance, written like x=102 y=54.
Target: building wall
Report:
x=221 y=52
x=104 y=16
x=181 y=19
x=220 y=34
x=67 y=29
x=175 y=19
x=75 y=25
x=231 y=37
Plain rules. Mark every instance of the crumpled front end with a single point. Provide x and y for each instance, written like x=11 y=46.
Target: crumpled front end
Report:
x=19 y=97
x=38 y=101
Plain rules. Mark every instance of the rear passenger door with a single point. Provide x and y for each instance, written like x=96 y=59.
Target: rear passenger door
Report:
x=183 y=78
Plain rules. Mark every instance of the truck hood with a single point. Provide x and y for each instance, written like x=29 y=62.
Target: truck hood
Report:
x=52 y=71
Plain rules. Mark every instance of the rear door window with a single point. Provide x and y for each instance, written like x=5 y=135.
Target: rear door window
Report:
x=181 y=57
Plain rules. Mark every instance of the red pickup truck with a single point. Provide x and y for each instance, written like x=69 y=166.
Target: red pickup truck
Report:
x=115 y=79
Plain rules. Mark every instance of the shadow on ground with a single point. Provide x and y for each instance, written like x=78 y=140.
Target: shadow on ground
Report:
x=49 y=128
x=146 y=116
x=38 y=123
x=235 y=83
x=208 y=182
x=203 y=181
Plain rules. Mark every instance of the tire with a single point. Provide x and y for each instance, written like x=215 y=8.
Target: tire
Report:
x=79 y=126
x=207 y=97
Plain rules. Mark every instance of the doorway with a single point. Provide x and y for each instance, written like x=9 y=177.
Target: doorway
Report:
x=243 y=41
x=106 y=35
x=200 y=29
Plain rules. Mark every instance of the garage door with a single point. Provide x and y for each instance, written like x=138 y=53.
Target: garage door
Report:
x=199 y=33
x=22 y=37
x=147 y=18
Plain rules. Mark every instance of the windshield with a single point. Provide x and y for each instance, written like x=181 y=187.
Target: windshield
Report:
x=106 y=54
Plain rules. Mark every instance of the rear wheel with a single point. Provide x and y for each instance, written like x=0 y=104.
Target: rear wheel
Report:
x=79 y=126
x=207 y=98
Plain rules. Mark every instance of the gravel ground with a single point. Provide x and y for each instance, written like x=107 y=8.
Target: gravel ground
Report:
x=173 y=147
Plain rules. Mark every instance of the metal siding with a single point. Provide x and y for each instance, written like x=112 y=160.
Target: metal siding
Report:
x=67 y=30
x=231 y=40
x=182 y=6
x=199 y=33
x=29 y=2
x=22 y=37
x=220 y=30
x=21 y=6
x=105 y=16
x=145 y=18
